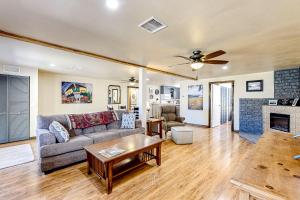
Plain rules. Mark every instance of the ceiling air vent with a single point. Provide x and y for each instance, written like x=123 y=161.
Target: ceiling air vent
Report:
x=10 y=68
x=152 y=25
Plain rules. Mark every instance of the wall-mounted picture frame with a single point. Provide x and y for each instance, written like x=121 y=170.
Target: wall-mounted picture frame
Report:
x=195 y=97
x=114 y=94
x=156 y=91
x=150 y=91
x=255 y=86
x=76 y=93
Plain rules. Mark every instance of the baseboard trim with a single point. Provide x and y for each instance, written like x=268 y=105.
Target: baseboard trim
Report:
x=197 y=125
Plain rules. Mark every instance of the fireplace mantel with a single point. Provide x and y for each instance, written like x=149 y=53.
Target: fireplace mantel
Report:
x=294 y=113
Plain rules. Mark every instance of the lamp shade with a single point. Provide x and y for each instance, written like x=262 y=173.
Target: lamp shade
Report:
x=197 y=65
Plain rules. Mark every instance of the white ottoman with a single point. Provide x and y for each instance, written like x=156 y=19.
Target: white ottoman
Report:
x=182 y=135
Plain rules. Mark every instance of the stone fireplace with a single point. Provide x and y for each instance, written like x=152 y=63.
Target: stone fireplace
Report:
x=281 y=119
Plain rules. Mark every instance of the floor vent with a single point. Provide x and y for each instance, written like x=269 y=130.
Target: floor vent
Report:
x=10 y=68
x=152 y=25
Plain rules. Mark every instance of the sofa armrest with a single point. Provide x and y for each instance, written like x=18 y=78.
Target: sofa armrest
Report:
x=44 y=137
x=180 y=119
x=138 y=124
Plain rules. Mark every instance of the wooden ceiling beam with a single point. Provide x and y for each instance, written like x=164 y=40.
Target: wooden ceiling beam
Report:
x=86 y=53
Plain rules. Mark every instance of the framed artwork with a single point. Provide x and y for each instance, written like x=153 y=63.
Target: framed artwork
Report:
x=255 y=86
x=195 y=97
x=114 y=94
x=150 y=91
x=134 y=97
x=74 y=93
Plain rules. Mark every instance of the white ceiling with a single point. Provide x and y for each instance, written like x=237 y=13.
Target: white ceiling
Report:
x=257 y=35
x=17 y=53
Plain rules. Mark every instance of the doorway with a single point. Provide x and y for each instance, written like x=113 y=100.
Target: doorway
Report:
x=221 y=101
x=14 y=108
x=132 y=100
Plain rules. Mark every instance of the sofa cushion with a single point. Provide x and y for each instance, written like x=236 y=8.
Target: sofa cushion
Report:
x=120 y=113
x=114 y=125
x=126 y=132
x=165 y=116
x=174 y=123
x=43 y=122
x=114 y=133
x=168 y=109
x=100 y=128
x=94 y=129
x=61 y=134
x=172 y=116
x=103 y=136
x=128 y=121
x=74 y=144
x=78 y=131
x=44 y=137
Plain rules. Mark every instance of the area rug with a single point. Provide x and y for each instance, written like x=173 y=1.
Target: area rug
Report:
x=15 y=155
x=253 y=138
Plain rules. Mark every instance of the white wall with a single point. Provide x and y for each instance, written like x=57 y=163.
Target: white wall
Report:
x=50 y=94
x=200 y=117
x=33 y=74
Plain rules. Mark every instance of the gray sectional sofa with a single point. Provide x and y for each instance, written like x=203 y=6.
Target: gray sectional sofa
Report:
x=53 y=155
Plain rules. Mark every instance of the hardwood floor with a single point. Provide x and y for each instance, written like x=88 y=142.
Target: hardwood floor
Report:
x=198 y=171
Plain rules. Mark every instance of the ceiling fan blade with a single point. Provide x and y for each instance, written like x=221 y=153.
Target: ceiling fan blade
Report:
x=179 y=64
x=214 y=54
x=186 y=58
x=215 y=61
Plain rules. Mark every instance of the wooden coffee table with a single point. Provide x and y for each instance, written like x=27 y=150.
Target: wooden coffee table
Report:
x=139 y=150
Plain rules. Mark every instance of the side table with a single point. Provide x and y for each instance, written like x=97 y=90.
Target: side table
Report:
x=151 y=124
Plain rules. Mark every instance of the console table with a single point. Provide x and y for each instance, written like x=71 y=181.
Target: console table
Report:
x=269 y=171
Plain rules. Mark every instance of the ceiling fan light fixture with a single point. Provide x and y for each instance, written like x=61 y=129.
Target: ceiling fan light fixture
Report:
x=225 y=67
x=131 y=83
x=197 y=65
x=112 y=4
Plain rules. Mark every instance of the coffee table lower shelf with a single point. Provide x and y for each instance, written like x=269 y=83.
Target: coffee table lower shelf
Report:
x=116 y=167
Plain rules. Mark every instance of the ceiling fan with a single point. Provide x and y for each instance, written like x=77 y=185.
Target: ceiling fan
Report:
x=131 y=81
x=197 y=60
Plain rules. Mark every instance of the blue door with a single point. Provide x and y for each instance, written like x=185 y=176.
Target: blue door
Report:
x=14 y=107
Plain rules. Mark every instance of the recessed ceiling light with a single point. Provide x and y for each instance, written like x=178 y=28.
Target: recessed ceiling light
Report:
x=112 y=4
x=147 y=79
x=52 y=65
x=225 y=67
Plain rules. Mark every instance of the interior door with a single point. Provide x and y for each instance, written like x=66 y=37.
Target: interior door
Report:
x=216 y=105
x=224 y=104
x=3 y=110
x=18 y=108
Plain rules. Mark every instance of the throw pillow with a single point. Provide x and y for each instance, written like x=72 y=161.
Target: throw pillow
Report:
x=128 y=120
x=59 y=131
